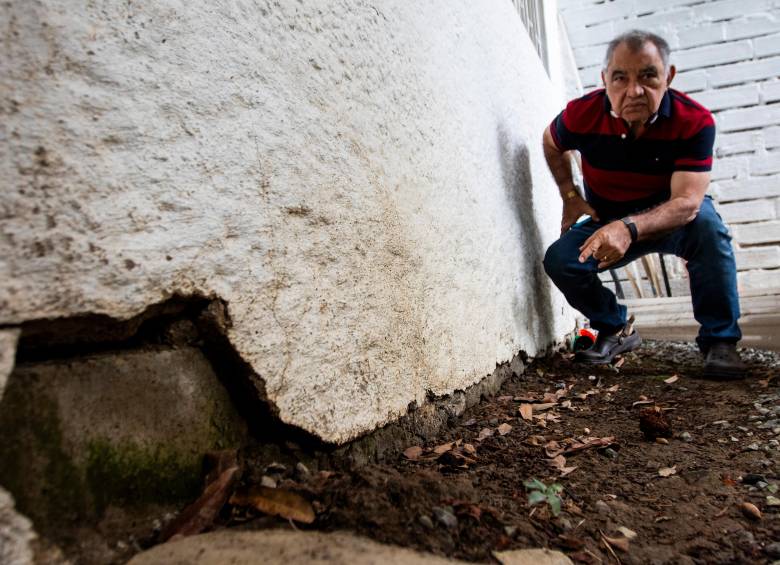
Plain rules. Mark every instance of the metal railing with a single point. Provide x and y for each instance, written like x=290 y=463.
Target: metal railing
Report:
x=532 y=14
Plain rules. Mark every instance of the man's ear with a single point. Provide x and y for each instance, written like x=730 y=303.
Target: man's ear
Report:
x=672 y=72
x=603 y=78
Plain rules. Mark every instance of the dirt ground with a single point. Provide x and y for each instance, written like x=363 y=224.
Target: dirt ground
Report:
x=624 y=498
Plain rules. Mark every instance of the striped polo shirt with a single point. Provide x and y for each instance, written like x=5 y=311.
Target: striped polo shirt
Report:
x=622 y=174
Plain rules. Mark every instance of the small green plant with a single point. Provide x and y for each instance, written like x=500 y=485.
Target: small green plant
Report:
x=540 y=492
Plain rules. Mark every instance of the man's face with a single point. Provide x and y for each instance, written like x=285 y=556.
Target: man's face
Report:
x=636 y=82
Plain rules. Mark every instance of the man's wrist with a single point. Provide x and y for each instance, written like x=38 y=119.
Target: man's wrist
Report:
x=631 y=227
x=569 y=191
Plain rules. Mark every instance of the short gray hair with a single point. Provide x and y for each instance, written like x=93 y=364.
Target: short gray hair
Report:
x=635 y=40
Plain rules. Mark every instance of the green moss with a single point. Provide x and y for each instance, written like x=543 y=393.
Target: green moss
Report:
x=129 y=474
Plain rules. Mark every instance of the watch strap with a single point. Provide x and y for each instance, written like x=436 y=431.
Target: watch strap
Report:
x=631 y=228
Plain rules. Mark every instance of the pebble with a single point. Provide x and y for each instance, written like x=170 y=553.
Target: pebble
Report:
x=493 y=421
x=772 y=501
x=742 y=429
x=267 y=481
x=611 y=453
x=445 y=517
x=686 y=437
x=302 y=470
x=762 y=484
x=773 y=550
x=602 y=507
x=565 y=524
x=426 y=521
x=752 y=446
x=510 y=531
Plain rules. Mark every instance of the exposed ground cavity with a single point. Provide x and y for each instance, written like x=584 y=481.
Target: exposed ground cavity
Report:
x=706 y=494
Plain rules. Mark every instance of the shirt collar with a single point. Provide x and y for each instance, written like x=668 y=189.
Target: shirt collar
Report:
x=664 y=110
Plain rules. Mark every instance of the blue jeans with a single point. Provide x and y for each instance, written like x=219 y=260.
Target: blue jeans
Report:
x=704 y=243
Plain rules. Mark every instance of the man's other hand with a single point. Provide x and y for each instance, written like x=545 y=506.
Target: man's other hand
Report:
x=573 y=209
x=607 y=245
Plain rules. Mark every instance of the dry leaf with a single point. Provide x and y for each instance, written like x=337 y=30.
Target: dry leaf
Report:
x=613 y=388
x=672 y=379
x=662 y=440
x=504 y=429
x=559 y=462
x=470 y=449
x=566 y=404
x=504 y=398
x=620 y=362
x=443 y=448
x=550 y=397
x=484 y=433
x=275 y=502
x=526 y=411
x=750 y=510
x=588 y=443
x=641 y=402
x=544 y=406
x=629 y=534
x=201 y=514
x=413 y=452
x=667 y=471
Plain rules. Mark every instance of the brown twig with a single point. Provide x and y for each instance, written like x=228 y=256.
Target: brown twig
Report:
x=609 y=547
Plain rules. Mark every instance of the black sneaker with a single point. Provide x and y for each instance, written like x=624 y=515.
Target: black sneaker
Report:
x=723 y=363
x=607 y=347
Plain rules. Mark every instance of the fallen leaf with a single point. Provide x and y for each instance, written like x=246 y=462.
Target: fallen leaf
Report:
x=662 y=440
x=201 y=514
x=772 y=500
x=484 y=433
x=641 y=402
x=620 y=362
x=469 y=448
x=526 y=411
x=504 y=398
x=569 y=542
x=629 y=534
x=544 y=406
x=413 y=453
x=613 y=388
x=589 y=443
x=443 y=448
x=566 y=404
x=552 y=448
x=667 y=471
x=559 y=462
x=504 y=429
x=672 y=379
x=550 y=397
x=750 y=510
x=662 y=519
x=275 y=502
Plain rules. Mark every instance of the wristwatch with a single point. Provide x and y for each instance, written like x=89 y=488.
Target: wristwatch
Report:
x=631 y=227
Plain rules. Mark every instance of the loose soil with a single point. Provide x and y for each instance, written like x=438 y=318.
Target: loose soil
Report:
x=723 y=452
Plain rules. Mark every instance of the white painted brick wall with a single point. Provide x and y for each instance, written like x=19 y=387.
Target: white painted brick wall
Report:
x=749 y=118
x=772 y=138
x=751 y=211
x=732 y=97
x=746 y=189
x=770 y=91
x=757 y=233
x=740 y=142
x=758 y=280
x=758 y=258
x=769 y=45
x=712 y=55
x=728 y=55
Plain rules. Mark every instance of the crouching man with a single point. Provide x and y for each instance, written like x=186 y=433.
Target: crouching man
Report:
x=646 y=155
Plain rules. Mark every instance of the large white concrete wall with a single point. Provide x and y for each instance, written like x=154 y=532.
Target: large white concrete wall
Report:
x=727 y=54
x=362 y=183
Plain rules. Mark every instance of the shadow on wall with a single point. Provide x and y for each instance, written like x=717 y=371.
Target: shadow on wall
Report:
x=532 y=309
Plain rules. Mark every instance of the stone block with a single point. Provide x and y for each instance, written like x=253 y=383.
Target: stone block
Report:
x=123 y=428
x=691 y=81
x=588 y=15
x=728 y=9
x=700 y=35
x=16 y=533
x=758 y=279
x=712 y=55
x=757 y=233
x=751 y=26
x=737 y=73
x=772 y=139
x=769 y=45
x=747 y=189
x=751 y=211
x=734 y=97
x=8 y=339
x=749 y=118
x=590 y=56
x=728 y=168
x=740 y=142
x=758 y=258
x=766 y=164
x=770 y=91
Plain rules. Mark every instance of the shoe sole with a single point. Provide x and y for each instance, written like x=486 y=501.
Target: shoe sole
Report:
x=723 y=374
x=608 y=360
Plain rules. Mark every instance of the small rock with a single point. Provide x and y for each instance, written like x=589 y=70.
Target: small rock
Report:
x=267 y=481
x=662 y=440
x=302 y=470
x=772 y=501
x=445 y=517
x=686 y=437
x=774 y=442
x=762 y=484
x=510 y=531
x=602 y=507
x=750 y=510
x=723 y=423
x=733 y=439
x=742 y=428
x=773 y=550
x=276 y=468
x=426 y=521
x=611 y=453
x=752 y=478
x=565 y=523
x=493 y=421
x=753 y=447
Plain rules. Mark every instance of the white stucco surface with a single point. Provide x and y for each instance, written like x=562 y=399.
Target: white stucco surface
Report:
x=8 y=340
x=361 y=182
